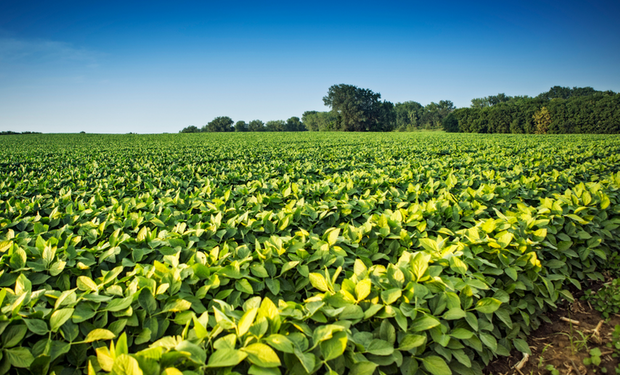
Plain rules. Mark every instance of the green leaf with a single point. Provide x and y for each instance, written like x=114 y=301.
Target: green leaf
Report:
x=143 y=337
x=59 y=317
x=488 y=340
x=504 y=239
x=256 y=370
x=307 y=360
x=273 y=285
x=522 y=346
x=177 y=306
x=221 y=319
x=37 y=326
x=391 y=295
x=281 y=343
x=196 y=353
x=423 y=323
x=461 y=333
x=363 y=368
x=454 y=313
x=22 y=285
x=119 y=304
x=332 y=236
x=436 y=365
x=318 y=281
x=488 y=305
x=488 y=226
x=226 y=358
x=121 y=345
x=147 y=301
x=259 y=270
x=19 y=357
x=457 y=265
x=13 y=335
x=99 y=334
x=246 y=321
x=58 y=348
x=419 y=264
x=410 y=341
x=334 y=347
x=512 y=273
x=325 y=332
x=199 y=329
x=126 y=365
x=262 y=355
x=244 y=286
x=104 y=358
x=86 y=283
x=363 y=289
x=380 y=347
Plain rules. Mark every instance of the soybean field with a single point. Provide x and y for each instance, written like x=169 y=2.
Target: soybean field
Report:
x=294 y=253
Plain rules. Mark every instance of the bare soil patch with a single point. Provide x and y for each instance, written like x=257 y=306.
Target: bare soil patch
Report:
x=574 y=330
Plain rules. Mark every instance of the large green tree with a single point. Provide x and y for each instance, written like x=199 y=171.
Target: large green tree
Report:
x=294 y=124
x=219 y=124
x=256 y=126
x=319 y=121
x=408 y=115
x=275 y=126
x=190 y=129
x=359 y=109
x=241 y=126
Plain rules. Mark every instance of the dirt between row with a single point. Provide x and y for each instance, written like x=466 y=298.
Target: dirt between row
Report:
x=574 y=330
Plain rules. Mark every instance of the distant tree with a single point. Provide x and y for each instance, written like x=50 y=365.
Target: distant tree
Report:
x=559 y=92
x=294 y=124
x=359 y=109
x=219 y=124
x=408 y=115
x=480 y=103
x=190 y=129
x=275 y=126
x=319 y=121
x=434 y=113
x=490 y=100
x=256 y=126
x=450 y=123
x=542 y=119
x=241 y=126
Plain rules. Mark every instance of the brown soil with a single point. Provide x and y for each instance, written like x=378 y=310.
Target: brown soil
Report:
x=551 y=345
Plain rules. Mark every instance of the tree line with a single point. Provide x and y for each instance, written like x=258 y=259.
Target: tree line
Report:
x=352 y=109
x=9 y=132
x=226 y=124
x=559 y=110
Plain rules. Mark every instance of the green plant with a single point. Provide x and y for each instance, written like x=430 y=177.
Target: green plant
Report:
x=578 y=340
x=541 y=358
x=552 y=369
x=607 y=299
x=615 y=345
x=594 y=358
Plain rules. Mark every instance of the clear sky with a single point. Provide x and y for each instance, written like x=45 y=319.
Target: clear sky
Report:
x=154 y=66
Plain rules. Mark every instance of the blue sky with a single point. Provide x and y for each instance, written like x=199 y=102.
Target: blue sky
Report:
x=153 y=66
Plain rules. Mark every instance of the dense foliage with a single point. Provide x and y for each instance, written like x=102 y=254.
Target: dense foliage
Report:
x=357 y=109
x=560 y=110
x=353 y=109
x=410 y=253
x=226 y=124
